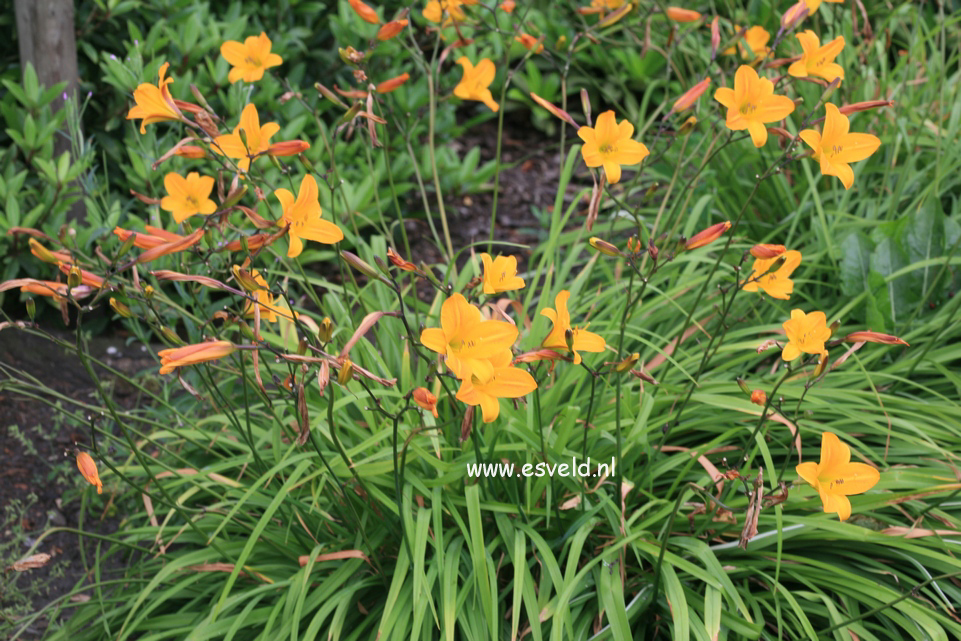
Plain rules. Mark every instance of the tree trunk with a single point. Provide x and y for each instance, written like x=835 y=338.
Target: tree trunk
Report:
x=47 y=38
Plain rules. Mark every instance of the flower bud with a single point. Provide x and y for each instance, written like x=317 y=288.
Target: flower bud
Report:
x=366 y=13
x=715 y=37
x=391 y=29
x=763 y=251
x=245 y=279
x=329 y=95
x=120 y=308
x=743 y=385
x=88 y=468
x=707 y=236
x=74 y=277
x=604 y=247
x=508 y=6
x=822 y=364
x=794 y=15
x=678 y=14
x=688 y=126
x=399 y=262
x=191 y=151
x=864 y=106
x=148 y=292
x=357 y=263
x=346 y=372
x=394 y=83
x=171 y=335
x=32 y=308
x=627 y=363
x=325 y=331
x=425 y=400
x=569 y=339
x=874 y=337
x=759 y=397
x=288 y=148
x=689 y=97
x=42 y=252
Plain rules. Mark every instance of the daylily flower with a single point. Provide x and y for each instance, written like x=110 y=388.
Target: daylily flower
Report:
x=88 y=468
x=258 y=138
x=504 y=382
x=475 y=85
x=814 y=5
x=425 y=400
x=805 y=333
x=446 y=10
x=171 y=359
x=611 y=145
x=756 y=39
x=581 y=340
x=188 y=196
x=776 y=284
x=249 y=59
x=835 y=148
x=835 y=477
x=304 y=217
x=817 y=60
x=752 y=103
x=154 y=103
x=467 y=341
x=500 y=274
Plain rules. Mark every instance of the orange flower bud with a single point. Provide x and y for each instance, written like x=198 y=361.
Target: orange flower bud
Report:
x=822 y=364
x=346 y=372
x=88 y=467
x=508 y=6
x=171 y=247
x=707 y=236
x=557 y=111
x=874 y=337
x=191 y=151
x=288 y=148
x=604 y=247
x=715 y=37
x=120 y=308
x=399 y=262
x=530 y=42
x=794 y=15
x=45 y=254
x=689 y=97
x=864 y=106
x=171 y=359
x=538 y=355
x=366 y=13
x=425 y=400
x=759 y=397
x=682 y=15
x=763 y=251
x=391 y=29
x=390 y=85
x=688 y=126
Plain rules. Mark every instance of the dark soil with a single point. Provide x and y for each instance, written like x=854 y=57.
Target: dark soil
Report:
x=40 y=486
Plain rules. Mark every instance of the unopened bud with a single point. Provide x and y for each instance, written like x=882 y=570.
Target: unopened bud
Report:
x=689 y=97
x=366 y=13
x=288 y=148
x=766 y=252
x=302 y=346
x=245 y=279
x=707 y=236
x=32 y=308
x=346 y=372
x=329 y=95
x=247 y=331
x=394 y=83
x=148 y=292
x=604 y=247
x=171 y=335
x=874 y=337
x=652 y=250
x=627 y=363
x=234 y=196
x=325 y=331
x=74 y=278
x=743 y=385
x=569 y=339
x=42 y=252
x=715 y=37
x=399 y=262
x=391 y=29
x=678 y=14
x=120 y=308
x=425 y=400
x=687 y=126
x=357 y=263
x=834 y=326
x=822 y=364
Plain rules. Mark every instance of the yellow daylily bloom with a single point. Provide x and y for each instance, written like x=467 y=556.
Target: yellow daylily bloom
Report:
x=304 y=217
x=752 y=103
x=467 y=341
x=835 y=148
x=778 y=283
x=188 y=196
x=258 y=138
x=475 y=85
x=835 y=477
x=817 y=60
x=581 y=339
x=446 y=10
x=505 y=382
x=609 y=144
x=500 y=274
x=249 y=59
x=154 y=103
x=805 y=333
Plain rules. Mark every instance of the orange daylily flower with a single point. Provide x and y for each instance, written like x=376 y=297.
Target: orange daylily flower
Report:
x=678 y=14
x=581 y=340
x=446 y=10
x=425 y=400
x=505 y=382
x=835 y=147
x=508 y=6
x=365 y=11
x=249 y=59
x=391 y=29
x=752 y=103
x=475 y=85
x=611 y=145
x=467 y=341
x=805 y=333
x=756 y=39
x=707 y=236
x=258 y=138
x=170 y=359
x=188 y=196
x=835 y=477
x=88 y=468
x=304 y=217
x=778 y=283
x=500 y=274
x=154 y=103
x=817 y=60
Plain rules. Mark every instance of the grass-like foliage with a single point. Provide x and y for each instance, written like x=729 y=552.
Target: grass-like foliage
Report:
x=725 y=377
